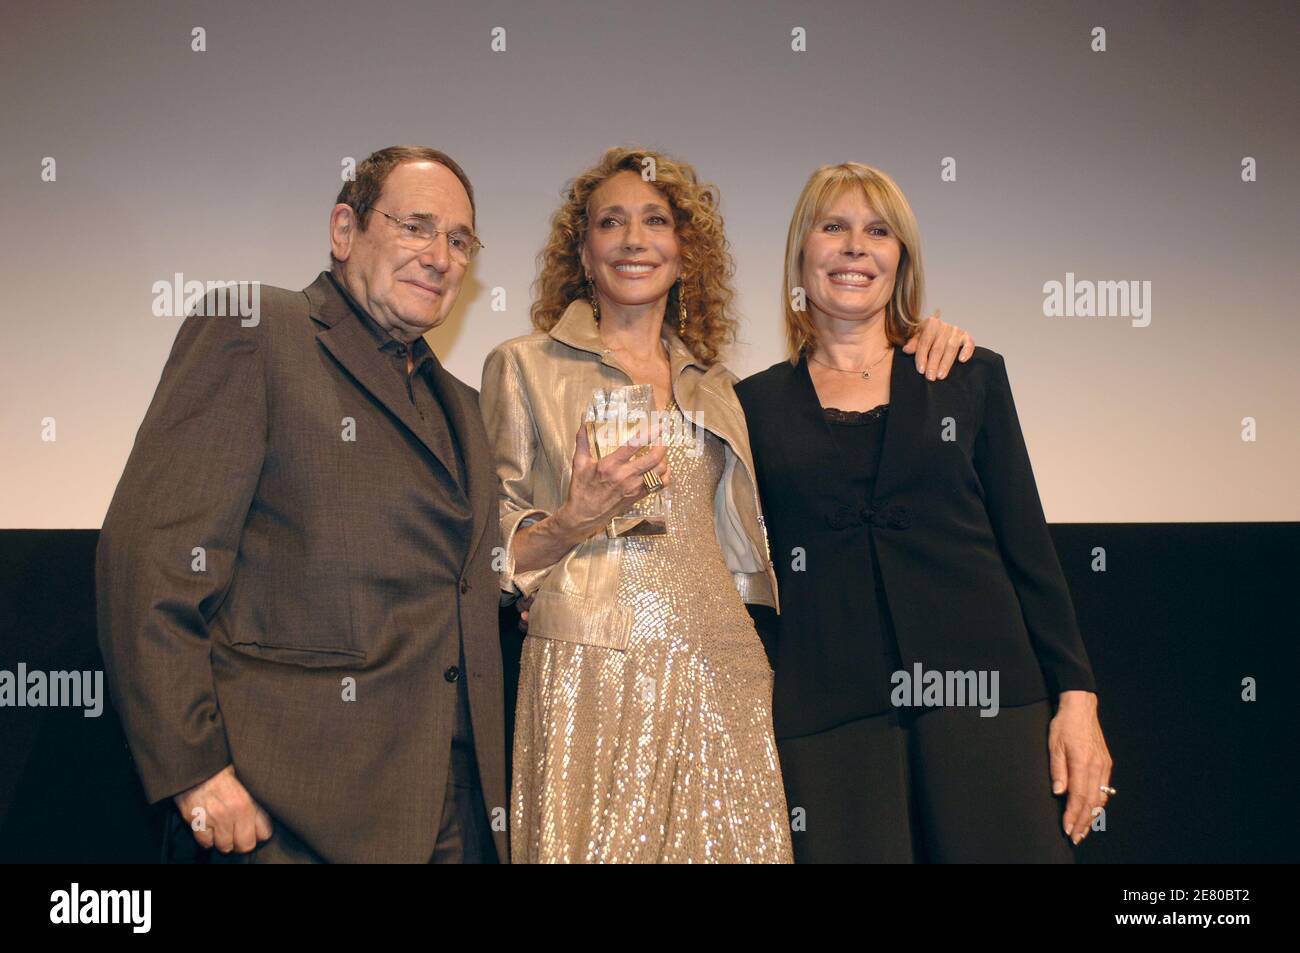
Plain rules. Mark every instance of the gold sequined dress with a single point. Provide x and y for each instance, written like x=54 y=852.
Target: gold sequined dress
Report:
x=663 y=752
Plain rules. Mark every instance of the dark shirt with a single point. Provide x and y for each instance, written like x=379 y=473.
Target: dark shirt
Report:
x=419 y=382
x=833 y=600
x=859 y=437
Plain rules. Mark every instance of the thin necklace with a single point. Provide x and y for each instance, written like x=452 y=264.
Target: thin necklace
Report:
x=610 y=350
x=864 y=374
x=663 y=345
x=672 y=401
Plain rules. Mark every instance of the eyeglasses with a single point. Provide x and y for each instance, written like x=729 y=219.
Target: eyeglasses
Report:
x=417 y=234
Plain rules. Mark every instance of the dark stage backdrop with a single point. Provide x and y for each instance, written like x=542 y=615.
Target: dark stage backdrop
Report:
x=1182 y=615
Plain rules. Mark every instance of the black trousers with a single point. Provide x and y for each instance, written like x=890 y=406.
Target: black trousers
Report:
x=930 y=785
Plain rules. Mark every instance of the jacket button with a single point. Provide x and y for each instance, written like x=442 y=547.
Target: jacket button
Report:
x=893 y=516
x=451 y=674
x=841 y=517
x=900 y=517
x=464 y=586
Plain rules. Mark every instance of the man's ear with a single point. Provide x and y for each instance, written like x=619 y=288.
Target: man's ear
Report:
x=343 y=225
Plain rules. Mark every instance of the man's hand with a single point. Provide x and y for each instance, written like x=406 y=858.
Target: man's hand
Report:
x=936 y=345
x=523 y=605
x=227 y=816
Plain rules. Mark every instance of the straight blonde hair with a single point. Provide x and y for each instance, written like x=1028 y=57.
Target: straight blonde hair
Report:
x=903 y=310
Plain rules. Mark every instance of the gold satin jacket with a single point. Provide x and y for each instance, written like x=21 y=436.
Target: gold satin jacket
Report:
x=535 y=392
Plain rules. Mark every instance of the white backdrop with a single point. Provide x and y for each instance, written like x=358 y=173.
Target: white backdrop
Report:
x=1117 y=165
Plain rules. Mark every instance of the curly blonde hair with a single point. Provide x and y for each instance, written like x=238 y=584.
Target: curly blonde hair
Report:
x=706 y=263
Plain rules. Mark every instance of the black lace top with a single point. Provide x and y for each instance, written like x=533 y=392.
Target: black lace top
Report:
x=860 y=436
x=836 y=416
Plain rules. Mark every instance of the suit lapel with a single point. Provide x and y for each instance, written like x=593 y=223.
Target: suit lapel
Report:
x=706 y=407
x=480 y=476
x=355 y=350
x=908 y=404
x=820 y=443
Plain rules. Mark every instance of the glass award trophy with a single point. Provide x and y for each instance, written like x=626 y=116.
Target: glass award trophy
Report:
x=614 y=416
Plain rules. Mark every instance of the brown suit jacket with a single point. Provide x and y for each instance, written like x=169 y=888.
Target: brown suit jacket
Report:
x=273 y=595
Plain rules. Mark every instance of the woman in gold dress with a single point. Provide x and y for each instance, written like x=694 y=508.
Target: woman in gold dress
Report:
x=644 y=720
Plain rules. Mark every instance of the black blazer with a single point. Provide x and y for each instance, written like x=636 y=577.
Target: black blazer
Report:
x=969 y=569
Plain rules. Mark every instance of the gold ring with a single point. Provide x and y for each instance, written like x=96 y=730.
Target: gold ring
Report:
x=651 y=480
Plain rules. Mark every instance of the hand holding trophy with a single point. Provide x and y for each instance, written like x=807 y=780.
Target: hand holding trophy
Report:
x=615 y=417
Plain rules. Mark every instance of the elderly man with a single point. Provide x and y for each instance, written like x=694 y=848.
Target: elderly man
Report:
x=297 y=602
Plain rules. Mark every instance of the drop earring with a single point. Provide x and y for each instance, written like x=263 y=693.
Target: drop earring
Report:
x=595 y=305
x=681 y=310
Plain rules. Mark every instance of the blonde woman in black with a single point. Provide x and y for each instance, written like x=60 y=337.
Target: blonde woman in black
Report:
x=933 y=698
